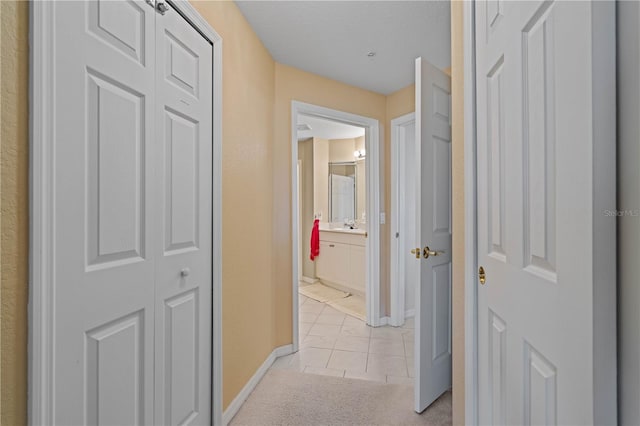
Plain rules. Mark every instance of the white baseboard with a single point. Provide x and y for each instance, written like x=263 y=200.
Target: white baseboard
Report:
x=237 y=402
x=309 y=280
x=382 y=321
x=410 y=313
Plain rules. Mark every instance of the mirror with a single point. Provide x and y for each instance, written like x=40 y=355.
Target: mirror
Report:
x=342 y=192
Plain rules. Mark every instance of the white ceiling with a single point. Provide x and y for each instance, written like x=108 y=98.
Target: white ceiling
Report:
x=332 y=38
x=327 y=129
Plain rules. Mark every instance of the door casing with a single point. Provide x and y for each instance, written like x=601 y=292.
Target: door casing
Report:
x=372 y=167
x=41 y=112
x=470 y=220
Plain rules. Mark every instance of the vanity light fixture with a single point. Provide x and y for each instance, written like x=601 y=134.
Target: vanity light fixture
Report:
x=360 y=153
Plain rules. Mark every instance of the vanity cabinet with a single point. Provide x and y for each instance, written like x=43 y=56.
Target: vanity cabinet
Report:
x=342 y=260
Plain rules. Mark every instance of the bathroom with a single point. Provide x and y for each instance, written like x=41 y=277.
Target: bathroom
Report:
x=332 y=191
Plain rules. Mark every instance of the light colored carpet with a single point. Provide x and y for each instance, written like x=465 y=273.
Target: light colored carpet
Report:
x=352 y=305
x=293 y=398
x=321 y=292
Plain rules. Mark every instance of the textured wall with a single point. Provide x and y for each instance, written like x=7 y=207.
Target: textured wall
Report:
x=247 y=194
x=14 y=211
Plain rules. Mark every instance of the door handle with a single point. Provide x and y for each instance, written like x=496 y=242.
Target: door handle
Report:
x=162 y=7
x=416 y=251
x=184 y=272
x=481 y=275
x=428 y=252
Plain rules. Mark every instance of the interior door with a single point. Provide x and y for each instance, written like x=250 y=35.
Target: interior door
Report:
x=183 y=206
x=545 y=76
x=103 y=241
x=433 y=226
x=132 y=217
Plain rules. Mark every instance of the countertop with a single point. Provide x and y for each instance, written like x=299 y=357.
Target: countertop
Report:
x=344 y=230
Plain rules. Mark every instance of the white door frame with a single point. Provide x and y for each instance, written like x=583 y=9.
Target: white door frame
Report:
x=397 y=294
x=41 y=287
x=372 y=169
x=470 y=219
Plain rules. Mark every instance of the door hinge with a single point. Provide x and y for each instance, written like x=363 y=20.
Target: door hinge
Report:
x=397 y=234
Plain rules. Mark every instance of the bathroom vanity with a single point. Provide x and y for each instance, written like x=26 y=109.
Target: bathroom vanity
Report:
x=342 y=260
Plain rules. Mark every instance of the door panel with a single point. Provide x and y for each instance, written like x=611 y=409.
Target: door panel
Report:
x=433 y=226
x=123 y=25
x=115 y=374
x=183 y=268
x=536 y=145
x=103 y=176
x=115 y=172
x=181 y=184
x=408 y=239
x=182 y=363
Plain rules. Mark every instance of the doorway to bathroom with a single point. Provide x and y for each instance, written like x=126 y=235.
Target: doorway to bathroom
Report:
x=335 y=181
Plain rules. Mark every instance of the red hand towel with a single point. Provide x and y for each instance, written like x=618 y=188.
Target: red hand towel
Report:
x=315 y=240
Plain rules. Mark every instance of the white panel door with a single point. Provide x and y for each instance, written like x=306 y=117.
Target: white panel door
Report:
x=433 y=226
x=183 y=207
x=132 y=219
x=104 y=150
x=539 y=229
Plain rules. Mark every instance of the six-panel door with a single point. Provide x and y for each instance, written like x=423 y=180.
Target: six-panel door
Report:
x=131 y=208
x=535 y=159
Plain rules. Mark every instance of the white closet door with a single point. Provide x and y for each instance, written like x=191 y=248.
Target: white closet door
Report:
x=183 y=208
x=103 y=239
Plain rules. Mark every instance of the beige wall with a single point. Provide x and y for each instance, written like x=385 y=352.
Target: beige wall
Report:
x=14 y=215
x=248 y=316
x=457 y=169
x=341 y=150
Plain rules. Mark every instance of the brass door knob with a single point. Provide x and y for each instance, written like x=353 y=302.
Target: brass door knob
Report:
x=416 y=251
x=428 y=252
x=482 y=276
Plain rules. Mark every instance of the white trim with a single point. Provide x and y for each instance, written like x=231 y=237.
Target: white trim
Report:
x=41 y=289
x=309 y=280
x=397 y=287
x=242 y=396
x=470 y=221
x=409 y=313
x=40 y=351
x=372 y=170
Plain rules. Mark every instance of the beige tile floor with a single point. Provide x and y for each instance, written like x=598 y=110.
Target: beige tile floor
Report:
x=336 y=344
